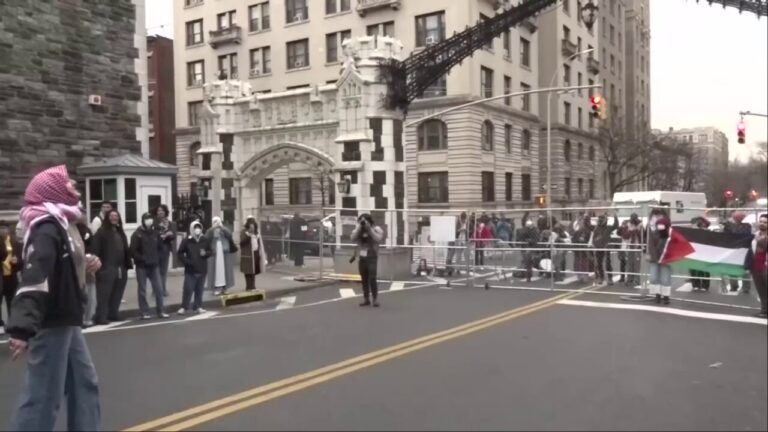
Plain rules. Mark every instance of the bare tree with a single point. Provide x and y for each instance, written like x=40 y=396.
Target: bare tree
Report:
x=628 y=160
x=324 y=183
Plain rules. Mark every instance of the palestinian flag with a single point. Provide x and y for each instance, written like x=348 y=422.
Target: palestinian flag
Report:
x=714 y=252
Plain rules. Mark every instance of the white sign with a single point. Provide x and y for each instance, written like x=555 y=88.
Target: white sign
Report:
x=443 y=228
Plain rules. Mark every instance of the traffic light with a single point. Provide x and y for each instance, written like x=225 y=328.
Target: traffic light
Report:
x=598 y=107
x=728 y=194
x=541 y=200
x=742 y=132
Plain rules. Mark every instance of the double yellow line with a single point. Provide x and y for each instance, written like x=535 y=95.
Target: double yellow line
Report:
x=207 y=412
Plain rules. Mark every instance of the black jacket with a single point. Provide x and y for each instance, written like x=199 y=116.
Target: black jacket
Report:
x=189 y=254
x=108 y=245
x=145 y=247
x=49 y=294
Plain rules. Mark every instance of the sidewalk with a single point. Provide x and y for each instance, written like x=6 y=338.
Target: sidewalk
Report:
x=276 y=282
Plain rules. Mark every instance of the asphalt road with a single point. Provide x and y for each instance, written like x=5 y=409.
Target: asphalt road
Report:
x=558 y=366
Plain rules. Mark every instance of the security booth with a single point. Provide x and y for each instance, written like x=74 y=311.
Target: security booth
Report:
x=133 y=184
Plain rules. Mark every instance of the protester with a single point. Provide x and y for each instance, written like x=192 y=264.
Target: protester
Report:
x=631 y=234
x=98 y=220
x=221 y=274
x=145 y=251
x=660 y=281
x=582 y=260
x=47 y=311
x=167 y=230
x=700 y=279
x=458 y=252
x=503 y=231
x=194 y=252
x=736 y=225
x=560 y=238
x=759 y=264
x=90 y=279
x=298 y=236
x=10 y=256
x=601 y=240
x=253 y=258
x=110 y=245
x=528 y=238
x=482 y=239
x=368 y=235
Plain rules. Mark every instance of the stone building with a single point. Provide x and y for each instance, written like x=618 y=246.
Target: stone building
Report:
x=70 y=87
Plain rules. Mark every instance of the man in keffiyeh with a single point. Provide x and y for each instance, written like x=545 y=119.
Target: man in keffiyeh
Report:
x=47 y=311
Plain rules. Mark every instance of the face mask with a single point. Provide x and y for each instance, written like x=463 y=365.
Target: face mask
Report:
x=661 y=227
x=148 y=223
x=197 y=232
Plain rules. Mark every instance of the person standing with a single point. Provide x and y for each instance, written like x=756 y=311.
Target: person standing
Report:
x=631 y=234
x=368 y=236
x=298 y=235
x=110 y=245
x=253 y=259
x=528 y=237
x=759 y=265
x=47 y=311
x=581 y=257
x=221 y=272
x=458 y=252
x=560 y=238
x=101 y=216
x=700 y=279
x=482 y=238
x=10 y=257
x=145 y=251
x=601 y=240
x=660 y=281
x=167 y=230
x=90 y=279
x=737 y=226
x=194 y=252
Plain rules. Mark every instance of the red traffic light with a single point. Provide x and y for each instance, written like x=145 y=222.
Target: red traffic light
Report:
x=596 y=99
x=741 y=132
x=741 y=126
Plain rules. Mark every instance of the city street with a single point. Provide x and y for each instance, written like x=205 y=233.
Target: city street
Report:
x=315 y=360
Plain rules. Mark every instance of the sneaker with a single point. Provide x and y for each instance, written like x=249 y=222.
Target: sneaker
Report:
x=201 y=311
x=366 y=303
x=145 y=317
x=666 y=300
x=181 y=311
x=217 y=292
x=163 y=315
x=375 y=303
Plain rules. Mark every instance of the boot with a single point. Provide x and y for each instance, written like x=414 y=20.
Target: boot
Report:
x=365 y=302
x=666 y=300
x=658 y=298
x=375 y=303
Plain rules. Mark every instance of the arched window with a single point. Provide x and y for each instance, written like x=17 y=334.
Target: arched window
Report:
x=580 y=151
x=592 y=153
x=487 y=135
x=567 y=150
x=526 y=140
x=193 y=158
x=433 y=135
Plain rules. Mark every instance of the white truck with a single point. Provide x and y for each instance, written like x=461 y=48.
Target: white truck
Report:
x=683 y=206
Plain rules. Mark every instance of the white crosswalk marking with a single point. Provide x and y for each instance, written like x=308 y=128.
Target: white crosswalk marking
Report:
x=396 y=286
x=286 y=302
x=568 y=280
x=437 y=280
x=98 y=328
x=346 y=292
x=686 y=287
x=202 y=316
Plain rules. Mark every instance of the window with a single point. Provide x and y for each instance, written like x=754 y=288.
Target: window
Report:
x=591 y=188
x=579 y=80
x=578 y=45
x=383 y=29
x=193 y=111
x=333 y=44
x=226 y=20
x=296 y=11
x=612 y=34
x=508 y=138
x=580 y=150
x=613 y=63
x=508 y=186
x=507 y=90
x=567 y=150
x=194 y=32
x=102 y=190
x=566 y=33
x=578 y=12
x=604 y=27
x=439 y=88
x=489 y=192
x=486 y=82
x=525 y=140
x=526 y=99
x=261 y=61
x=269 y=191
x=130 y=215
x=620 y=41
x=566 y=75
x=525 y=52
x=228 y=65
x=298 y=54
x=581 y=187
x=579 y=118
x=567 y=113
x=486 y=135
x=567 y=187
x=195 y=74
x=507 y=44
x=300 y=191
x=591 y=82
x=567 y=6
x=433 y=187
x=488 y=45
x=258 y=17
x=525 y=183
x=430 y=29
x=703 y=138
x=333 y=6
x=433 y=135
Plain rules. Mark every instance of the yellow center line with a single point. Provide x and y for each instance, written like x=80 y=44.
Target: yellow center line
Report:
x=209 y=411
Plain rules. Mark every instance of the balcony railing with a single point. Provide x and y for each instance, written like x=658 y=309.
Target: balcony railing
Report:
x=365 y=6
x=593 y=66
x=231 y=34
x=568 y=47
x=350 y=156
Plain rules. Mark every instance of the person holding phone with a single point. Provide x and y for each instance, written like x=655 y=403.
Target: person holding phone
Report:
x=368 y=236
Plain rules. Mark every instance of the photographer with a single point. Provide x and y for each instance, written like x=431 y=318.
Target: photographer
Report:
x=367 y=236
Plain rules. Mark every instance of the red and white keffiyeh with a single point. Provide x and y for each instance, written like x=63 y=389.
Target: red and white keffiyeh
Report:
x=50 y=193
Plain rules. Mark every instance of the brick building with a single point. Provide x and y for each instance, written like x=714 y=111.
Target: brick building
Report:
x=160 y=100
x=70 y=87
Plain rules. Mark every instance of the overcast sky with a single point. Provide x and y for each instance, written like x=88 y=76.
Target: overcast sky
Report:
x=707 y=64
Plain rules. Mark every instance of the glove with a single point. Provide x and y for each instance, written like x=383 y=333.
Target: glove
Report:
x=351 y=260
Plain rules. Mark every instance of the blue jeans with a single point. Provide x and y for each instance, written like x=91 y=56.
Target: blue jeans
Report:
x=165 y=256
x=193 y=283
x=153 y=274
x=661 y=274
x=58 y=364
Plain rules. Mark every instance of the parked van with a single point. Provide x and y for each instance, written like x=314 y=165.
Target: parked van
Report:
x=683 y=206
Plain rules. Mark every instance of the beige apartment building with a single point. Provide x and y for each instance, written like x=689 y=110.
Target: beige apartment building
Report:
x=637 y=66
x=480 y=157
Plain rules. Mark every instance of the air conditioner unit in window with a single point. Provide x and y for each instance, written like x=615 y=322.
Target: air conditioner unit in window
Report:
x=298 y=63
x=198 y=82
x=255 y=72
x=430 y=40
x=94 y=100
x=298 y=17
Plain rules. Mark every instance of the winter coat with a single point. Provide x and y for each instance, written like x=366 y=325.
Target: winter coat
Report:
x=229 y=248
x=601 y=235
x=248 y=265
x=189 y=254
x=111 y=246
x=146 y=247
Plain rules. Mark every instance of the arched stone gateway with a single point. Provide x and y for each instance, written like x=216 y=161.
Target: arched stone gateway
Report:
x=261 y=165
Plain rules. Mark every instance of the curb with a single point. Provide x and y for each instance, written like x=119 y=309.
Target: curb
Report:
x=215 y=303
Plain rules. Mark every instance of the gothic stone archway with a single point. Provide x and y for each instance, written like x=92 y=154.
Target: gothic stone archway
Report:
x=263 y=164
